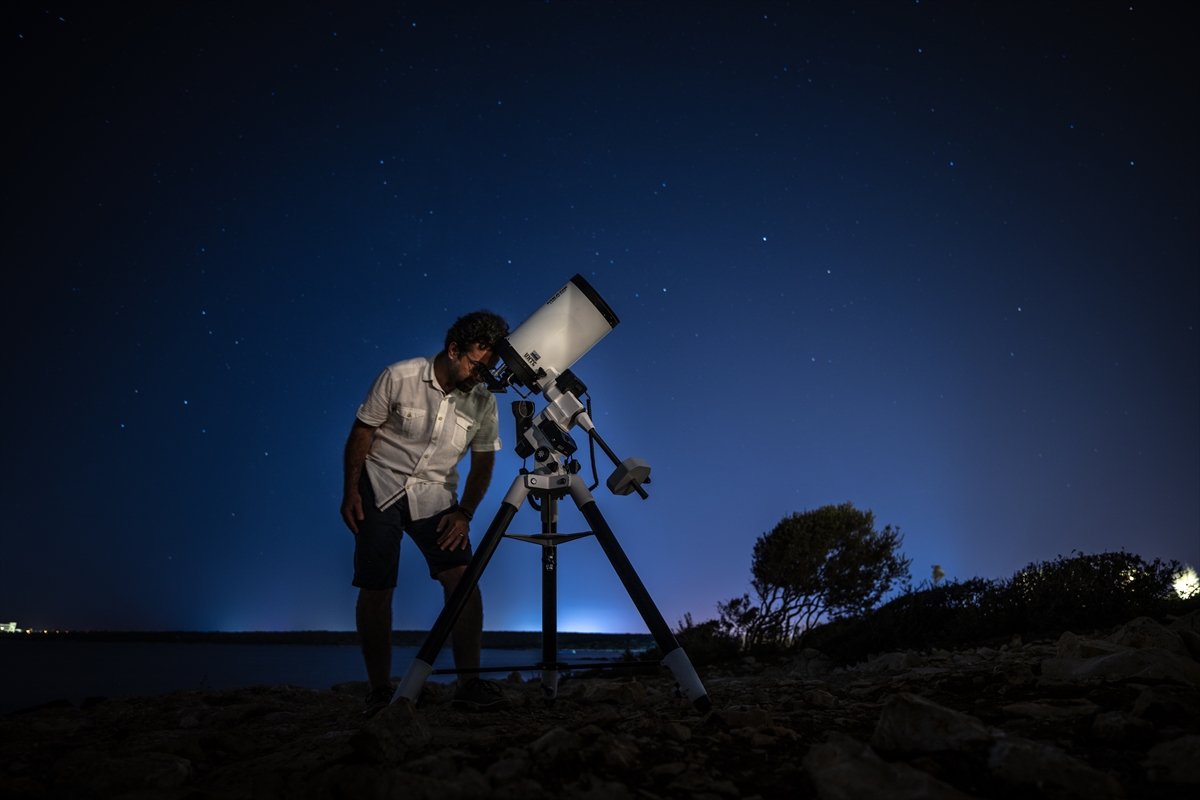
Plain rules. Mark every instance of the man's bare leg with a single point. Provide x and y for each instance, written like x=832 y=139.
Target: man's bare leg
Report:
x=467 y=638
x=373 y=615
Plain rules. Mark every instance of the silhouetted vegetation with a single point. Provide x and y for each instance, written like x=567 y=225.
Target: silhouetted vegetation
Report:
x=1080 y=592
x=826 y=563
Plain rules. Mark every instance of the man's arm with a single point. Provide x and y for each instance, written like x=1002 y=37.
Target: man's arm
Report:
x=454 y=527
x=357 y=446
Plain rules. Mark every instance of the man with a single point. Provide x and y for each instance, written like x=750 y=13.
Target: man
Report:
x=420 y=418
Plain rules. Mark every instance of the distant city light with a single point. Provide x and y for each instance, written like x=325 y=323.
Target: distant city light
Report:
x=1187 y=583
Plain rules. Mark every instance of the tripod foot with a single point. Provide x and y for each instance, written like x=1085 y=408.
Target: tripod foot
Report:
x=413 y=681
x=689 y=682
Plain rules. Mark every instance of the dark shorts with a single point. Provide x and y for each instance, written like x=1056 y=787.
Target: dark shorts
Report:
x=377 y=545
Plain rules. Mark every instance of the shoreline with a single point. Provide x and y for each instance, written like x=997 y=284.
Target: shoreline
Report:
x=492 y=640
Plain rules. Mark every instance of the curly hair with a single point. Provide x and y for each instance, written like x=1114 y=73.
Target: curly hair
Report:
x=479 y=327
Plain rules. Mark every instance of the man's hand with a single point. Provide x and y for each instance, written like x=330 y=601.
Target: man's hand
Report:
x=453 y=529
x=352 y=510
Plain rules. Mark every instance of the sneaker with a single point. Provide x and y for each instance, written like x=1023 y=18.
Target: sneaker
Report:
x=480 y=695
x=377 y=700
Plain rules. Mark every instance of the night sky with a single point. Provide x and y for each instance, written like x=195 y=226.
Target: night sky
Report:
x=936 y=259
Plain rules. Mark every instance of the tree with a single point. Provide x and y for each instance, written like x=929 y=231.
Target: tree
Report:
x=830 y=562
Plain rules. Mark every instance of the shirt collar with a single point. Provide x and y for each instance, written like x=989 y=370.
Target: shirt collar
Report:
x=428 y=376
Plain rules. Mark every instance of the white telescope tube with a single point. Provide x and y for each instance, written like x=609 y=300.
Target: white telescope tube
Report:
x=556 y=335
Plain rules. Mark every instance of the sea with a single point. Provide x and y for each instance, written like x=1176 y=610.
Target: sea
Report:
x=37 y=672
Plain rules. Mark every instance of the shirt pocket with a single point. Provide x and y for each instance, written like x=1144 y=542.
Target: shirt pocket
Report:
x=464 y=431
x=411 y=421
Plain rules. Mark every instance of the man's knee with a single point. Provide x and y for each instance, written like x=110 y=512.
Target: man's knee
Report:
x=375 y=600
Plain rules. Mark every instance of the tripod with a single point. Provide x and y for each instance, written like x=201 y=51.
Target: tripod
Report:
x=549 y=482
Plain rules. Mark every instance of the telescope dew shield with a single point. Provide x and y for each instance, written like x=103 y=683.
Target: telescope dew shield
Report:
x=556 y=335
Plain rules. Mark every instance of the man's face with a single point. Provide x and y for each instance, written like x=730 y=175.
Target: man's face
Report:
x=467 y=368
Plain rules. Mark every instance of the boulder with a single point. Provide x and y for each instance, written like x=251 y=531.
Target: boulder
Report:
x=557 y=743
x=1072 y=646
x=619 y=693
x=910 y=723
x=1176 y=761
x=1015 y=673
x=1117 y=727
x=743 y=717
x=1188 y=622
x=812 y=663
x=1151 y=663
x=891 y=662
x=821 y=699
x=1145 y=632
x=675 y=732
x=393 y=733
x=1036 y=764
x=1161 y=704
x=1053 y=709
x=846 y=769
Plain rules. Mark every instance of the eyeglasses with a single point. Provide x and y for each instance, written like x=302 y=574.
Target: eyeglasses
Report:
x=477 y=367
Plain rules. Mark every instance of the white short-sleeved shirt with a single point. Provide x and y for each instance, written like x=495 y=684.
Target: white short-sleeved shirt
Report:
x=421 y=435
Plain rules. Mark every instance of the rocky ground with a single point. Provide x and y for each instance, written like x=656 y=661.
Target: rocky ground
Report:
x=1105 y=716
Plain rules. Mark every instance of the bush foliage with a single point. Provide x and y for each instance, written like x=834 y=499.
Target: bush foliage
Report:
x=830 y=562
x=1080 y=592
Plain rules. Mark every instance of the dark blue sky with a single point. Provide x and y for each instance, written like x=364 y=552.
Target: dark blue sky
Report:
x=937 y=259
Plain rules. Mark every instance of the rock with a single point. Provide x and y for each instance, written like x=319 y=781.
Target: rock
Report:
x=393 y=732
x=557 y=743
x=1176 y=761
x=614 y=751
x=596 y=789
x=742 y=717
x=1016 y=673
x=821 y=699
x=668 y=770
x=891 y=662
x=910 y=723
x=674 y=731
x=691 y=781
x=1168 y=704
x=1026 y=763
x=622 y=694
x=812 y=663
x=1117 y=727
x=1151 y=663
x=1072 y=646
x=846 y=769
x=507 y=770
x=1145 y=632
x=1052 y=709
x=1188 y=622
x=87 y=770
x=1191 y=641
x=523 y=789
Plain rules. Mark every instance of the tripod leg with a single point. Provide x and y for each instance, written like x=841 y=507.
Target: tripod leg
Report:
x=674 y=657
x=549 y=600
x=422 y=665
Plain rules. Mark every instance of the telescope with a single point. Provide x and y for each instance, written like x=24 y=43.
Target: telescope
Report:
x=538 y=357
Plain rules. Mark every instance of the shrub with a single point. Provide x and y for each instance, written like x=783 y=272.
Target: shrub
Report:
x=1077 y=592
x=830 y=562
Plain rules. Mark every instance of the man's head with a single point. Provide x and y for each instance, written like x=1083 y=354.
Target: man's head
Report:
x=469 y=347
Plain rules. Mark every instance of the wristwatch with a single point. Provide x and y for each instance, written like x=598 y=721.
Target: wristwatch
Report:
x=462 y=511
